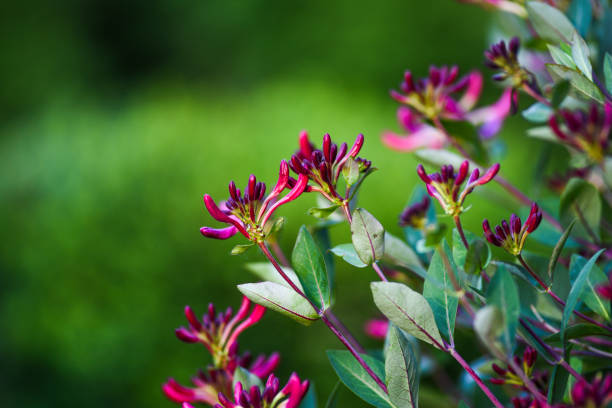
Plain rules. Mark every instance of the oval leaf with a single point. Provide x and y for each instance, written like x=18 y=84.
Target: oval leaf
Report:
x=440 y=294
x=267 y=272
x=310 y=268
x=503 y=293
x=368 y=236
x=408 y=310
x=280 y=298
x=347 y=252
x=401 y=370
x=550 y=23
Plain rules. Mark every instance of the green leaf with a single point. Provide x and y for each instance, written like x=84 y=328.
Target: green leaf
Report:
x=478 y=257
x=560 y=91
x=267 y=272
x=550 y=23
x=368 y=236
x=590 y=297
x=608 y=71
x=537 y=113
x=347 y=252
x=557 y=385
x=577 y=79
x=240 y=248
x=310 y=268
x=558 y=248
x=323 y=212
x=350 y=171
x=575 y=294
x=356 y=378
x=580 y=54
x=503 y=293
x=581 y=14
x=398 y=253
x=581 y=200
x=561 y=57
x=280 y=298
x=401 y=370
x=408 y=310
x=246 y=378
x=441 y=295
x=332 y=400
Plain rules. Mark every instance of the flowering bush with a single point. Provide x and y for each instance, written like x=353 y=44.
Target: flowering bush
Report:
x=538 y=307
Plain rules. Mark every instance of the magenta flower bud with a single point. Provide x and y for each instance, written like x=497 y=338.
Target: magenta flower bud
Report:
x=506 y=227
x=514 y=45
x=489 y=175
x=501 y=235
x=474 y=176
x=463 y=169
x=423 y=175
x=529 y=356
x=251 y=187
x=356 y=146
x=327 y=146
x=184 y=335
x=219 y=233
x=499 y=370
x=515 y=224
x=192 y=319
x=489 y=234
x=305 y=146
x=579 y=393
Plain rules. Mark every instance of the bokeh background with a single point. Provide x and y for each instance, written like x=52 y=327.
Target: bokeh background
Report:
x=116 y=116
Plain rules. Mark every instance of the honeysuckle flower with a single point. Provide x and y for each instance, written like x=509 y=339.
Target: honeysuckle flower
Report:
x=508 y=375
x=511 y=236
x=444 y=186
x=415 y=215
x=377 y=328
x=219 y=332
x=597 y=394
x=585 y=132
x=442 y=96
x=509 y=6
x=289 y=396
x=504 y=59
x=605 y=289
x=249 y=212
x=207 y=385
x=324 y=166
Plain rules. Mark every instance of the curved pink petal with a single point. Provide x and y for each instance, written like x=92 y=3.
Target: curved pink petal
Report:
x=408 y=119
x=472 y=92
x=219 y=233
x=425 y=136
x=492 y=117
x=452 y=109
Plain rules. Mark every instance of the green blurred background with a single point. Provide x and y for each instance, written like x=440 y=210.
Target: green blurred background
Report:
x=115 y=118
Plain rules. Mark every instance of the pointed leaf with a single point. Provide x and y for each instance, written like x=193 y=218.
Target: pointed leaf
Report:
x=240 y=248
x=590 y=297
x=280 y=298
x=580 y=54
x=332 y=400
x=408 y=310
x=347 y=252
x=550 y=23
x=503 y=293
x=575 y=294
x=398 y=253
x=323 y=212
x=537 y=113
x=356 y=378
x=350 y=171
x=561 y=57
x=310 y=268
x=401 y=370
x=558 y=384
x=368 y=236
x=608 y=71
x=578 y=331
x=442 y=299
x=577 y=79
x=558 y=248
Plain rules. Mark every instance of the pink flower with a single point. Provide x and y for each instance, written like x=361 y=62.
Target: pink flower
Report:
x=289 y=397
x=249 y=213
x=492 y=117
x=419 y=135
x=511 y=235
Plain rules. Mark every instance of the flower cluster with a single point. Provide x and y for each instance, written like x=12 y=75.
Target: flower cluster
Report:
x=445 y=186
x=587 y=132
x=415 y=215
x=505 y=59
x=511 y=236
x=272 y=396
x=324 y=166
x=249 y=212
x=219 y=332
x=596 y=394
x=442 y=95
